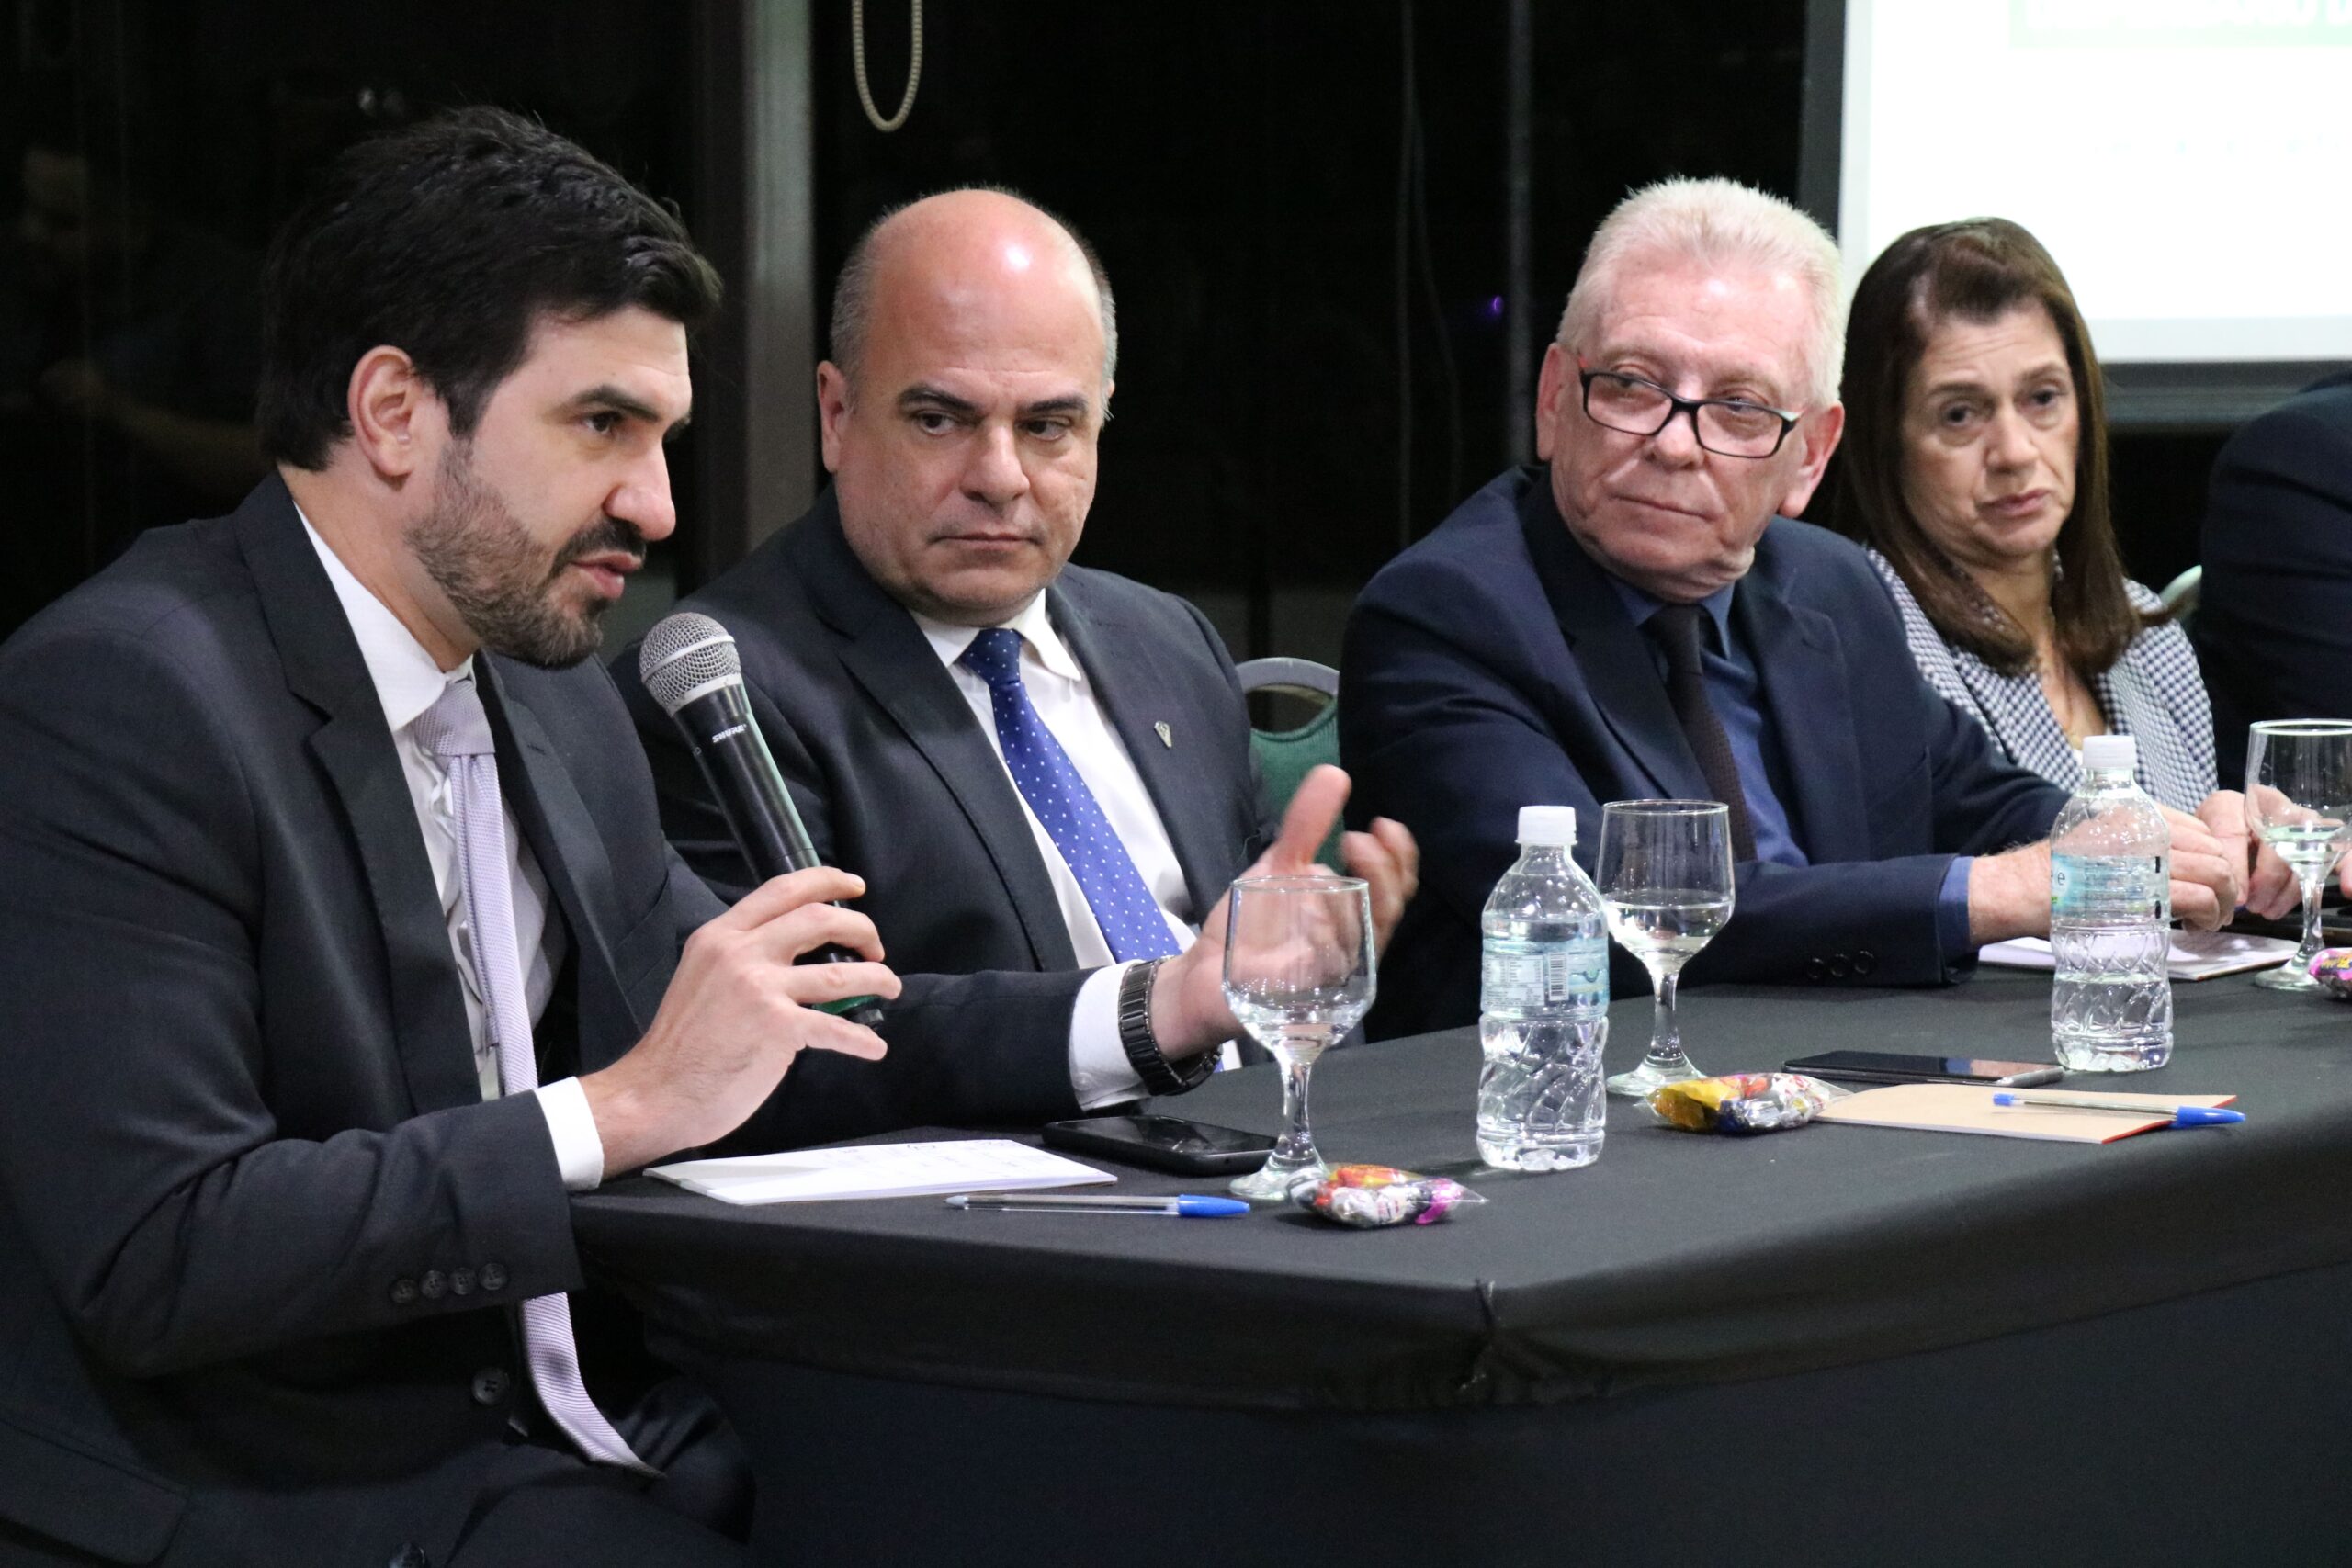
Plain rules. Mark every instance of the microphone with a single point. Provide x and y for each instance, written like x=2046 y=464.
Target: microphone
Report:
x=692 y=670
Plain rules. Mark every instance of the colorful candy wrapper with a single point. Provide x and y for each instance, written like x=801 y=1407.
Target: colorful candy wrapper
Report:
x=1743 y=1102
x=1368 y=1196
x=2333 y=968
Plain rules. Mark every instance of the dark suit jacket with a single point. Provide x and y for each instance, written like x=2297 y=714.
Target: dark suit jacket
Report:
x=2273 y=626
x=897 y=781
x=1492 y=666
x=240 y=1126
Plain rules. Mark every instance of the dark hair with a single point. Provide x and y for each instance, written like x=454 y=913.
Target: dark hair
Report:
x=1978 y=270
x=449 y=240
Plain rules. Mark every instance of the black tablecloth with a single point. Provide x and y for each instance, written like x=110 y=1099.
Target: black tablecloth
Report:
x=1676 y=1260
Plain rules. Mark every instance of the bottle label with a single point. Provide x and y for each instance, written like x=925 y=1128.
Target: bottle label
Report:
x=2108 y=888
x=1532 y=978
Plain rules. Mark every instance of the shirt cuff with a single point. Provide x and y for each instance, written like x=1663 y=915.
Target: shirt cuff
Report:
x=1100 y=1073
x=1951 y=912
x=579 y=1152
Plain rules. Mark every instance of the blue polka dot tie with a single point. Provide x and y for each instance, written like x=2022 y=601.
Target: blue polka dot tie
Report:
x=1041 y=771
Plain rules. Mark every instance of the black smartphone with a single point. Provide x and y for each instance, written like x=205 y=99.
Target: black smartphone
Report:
x=1890 y=1066
x=1163 y=1143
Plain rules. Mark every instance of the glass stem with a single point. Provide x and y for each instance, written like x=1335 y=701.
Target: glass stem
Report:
x=1296 y=1145
x=1666 y=1031
x=2314 y=882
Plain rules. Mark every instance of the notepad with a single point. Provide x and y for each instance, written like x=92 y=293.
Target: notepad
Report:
x=1968 y=1108
x=880 y=1170
x=2195 y=955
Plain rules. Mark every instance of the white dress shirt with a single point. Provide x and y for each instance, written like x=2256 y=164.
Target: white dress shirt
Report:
x=1100 y=1073
x=408 y=681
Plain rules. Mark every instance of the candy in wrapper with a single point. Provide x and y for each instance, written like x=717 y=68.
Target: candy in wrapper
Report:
x=1742 y=1102
x=2333 y=969
x=1368 y=1196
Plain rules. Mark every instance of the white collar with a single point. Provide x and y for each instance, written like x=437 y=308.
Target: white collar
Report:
x=407 y=679
x=1037 y=635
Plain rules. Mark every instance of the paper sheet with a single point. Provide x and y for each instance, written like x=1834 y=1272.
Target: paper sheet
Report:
x=1968 y=1108
x=880 y=1170
x=2195 y=955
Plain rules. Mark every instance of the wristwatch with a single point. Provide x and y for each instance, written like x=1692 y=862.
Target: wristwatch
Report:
x=1160 y=1075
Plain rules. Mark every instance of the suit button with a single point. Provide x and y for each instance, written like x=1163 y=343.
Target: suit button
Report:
x=1814 y=969
x=461 y=1281
x=493 y=1276
x=410 y=1556
x=490 y=1384
x=403 y=1292
x=435 y=1285
x=1840 y=966
x=1864 y=961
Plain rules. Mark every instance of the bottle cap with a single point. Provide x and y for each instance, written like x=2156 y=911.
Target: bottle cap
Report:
x=1554 y=827
x=2104 y=752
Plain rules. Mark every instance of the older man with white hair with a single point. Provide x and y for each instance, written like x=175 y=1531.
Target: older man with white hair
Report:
x=1636 y=616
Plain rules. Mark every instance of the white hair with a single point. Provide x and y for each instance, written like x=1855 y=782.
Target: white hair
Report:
x=1719 y=222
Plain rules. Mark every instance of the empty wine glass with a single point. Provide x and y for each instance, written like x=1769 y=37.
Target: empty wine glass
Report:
x=2299 y=801
x=1665 y=878
x=1299 y=974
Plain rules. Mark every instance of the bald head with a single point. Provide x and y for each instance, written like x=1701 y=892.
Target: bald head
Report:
x=958 y=249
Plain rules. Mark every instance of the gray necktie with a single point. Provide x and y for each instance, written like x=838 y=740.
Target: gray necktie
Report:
x=456 y=730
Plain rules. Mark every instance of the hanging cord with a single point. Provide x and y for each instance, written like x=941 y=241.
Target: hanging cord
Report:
x=857 y=56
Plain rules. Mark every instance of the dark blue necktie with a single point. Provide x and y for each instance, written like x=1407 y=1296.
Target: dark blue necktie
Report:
x=1041 y=770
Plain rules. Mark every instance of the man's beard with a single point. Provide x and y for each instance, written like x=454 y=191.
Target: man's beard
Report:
x=482 y=558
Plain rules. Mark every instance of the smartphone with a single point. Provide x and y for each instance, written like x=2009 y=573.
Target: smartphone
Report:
x=1164 y=1143
x=1888 y=1066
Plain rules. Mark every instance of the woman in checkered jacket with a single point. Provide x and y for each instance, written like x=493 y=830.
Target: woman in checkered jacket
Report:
x=1975 y=468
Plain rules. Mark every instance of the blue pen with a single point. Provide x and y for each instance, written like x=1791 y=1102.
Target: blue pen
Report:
x=2182 y=1115
x=1185 y=1205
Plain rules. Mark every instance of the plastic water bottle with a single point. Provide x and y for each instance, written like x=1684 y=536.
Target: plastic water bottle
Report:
x=1543 y=1005
x=2110 y=901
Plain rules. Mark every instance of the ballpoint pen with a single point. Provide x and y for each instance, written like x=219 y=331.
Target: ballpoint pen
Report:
x=2182 y=1115
x=1184 y=1205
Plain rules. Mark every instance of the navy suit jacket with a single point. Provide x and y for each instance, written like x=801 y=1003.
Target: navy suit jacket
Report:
x=1492 y=666
x=897 y=781
x=257 y=1224
x=2273 y=626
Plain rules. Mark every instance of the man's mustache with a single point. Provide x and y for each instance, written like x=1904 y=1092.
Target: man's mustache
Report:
x=611 y=536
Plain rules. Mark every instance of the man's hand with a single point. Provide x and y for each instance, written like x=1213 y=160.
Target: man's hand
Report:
x=2009 y=894
x=2209 y=870
x=1188 y=1010
x=737 y=1013
x=2271 y=889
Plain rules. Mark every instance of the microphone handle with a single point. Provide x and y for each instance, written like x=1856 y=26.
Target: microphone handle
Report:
x=742 y=774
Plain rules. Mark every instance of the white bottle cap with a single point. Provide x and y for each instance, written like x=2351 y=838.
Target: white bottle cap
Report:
x=2106 y=752
x=1554 y=827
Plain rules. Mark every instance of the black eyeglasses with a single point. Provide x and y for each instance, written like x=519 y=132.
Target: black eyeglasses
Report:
x=1731 y=427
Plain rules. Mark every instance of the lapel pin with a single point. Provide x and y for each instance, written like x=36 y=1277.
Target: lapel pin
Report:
x=1165 y=738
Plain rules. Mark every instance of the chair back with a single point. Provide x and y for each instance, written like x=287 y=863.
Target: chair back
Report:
x=1287 y=756
x=2180 y=595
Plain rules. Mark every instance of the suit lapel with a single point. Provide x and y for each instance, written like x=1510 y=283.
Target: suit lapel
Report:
x=888 y=655
x=1620 y=671
x=1797 y=656
x=1132 y=690
x=323 y=666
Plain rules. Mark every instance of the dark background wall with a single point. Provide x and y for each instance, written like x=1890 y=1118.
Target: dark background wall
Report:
x=1303 y=208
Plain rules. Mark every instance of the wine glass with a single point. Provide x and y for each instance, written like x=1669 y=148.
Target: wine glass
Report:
x=1665 y=876
x=2299 y=801
x=1299 y=974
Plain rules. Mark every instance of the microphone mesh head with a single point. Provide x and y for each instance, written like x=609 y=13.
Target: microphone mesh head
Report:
x=684 y=655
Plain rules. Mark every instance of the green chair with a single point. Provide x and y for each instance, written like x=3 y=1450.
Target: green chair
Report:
x=1286 y=756
x=2180 y=595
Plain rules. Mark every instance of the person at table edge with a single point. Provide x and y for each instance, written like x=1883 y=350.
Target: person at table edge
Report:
x=1630 y=618
x=1042 y=772
x=345 y=942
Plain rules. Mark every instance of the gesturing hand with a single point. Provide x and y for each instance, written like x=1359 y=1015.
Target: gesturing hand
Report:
x=1188 y=1010
x=737 y=1013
